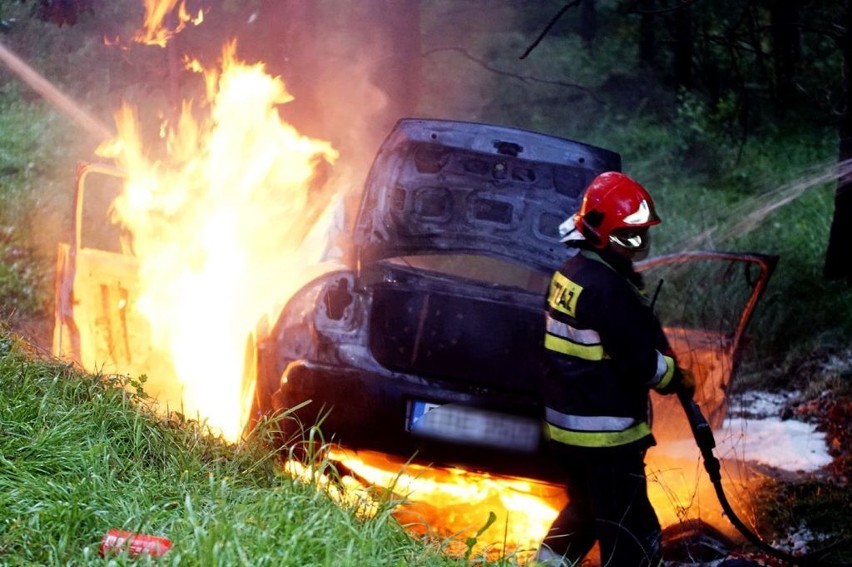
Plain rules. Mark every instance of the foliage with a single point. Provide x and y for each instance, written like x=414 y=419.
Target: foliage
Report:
x=761 y=59
x=18 y=282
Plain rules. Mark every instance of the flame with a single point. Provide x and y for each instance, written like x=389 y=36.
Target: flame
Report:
x=155 y=31
x=452 y=505
x=217 y=228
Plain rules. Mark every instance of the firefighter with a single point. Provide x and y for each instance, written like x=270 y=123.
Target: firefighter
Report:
x=605 y=350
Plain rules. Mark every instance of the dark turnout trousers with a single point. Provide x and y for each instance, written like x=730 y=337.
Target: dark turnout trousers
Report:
x=608 y=503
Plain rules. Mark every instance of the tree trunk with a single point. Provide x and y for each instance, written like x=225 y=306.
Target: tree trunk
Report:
x=683 y=47
x=838 y=260
x=786 y=51
x=290 y=32
x=587 y=25
x=647 y=35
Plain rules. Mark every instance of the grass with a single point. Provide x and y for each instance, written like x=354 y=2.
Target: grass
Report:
x=81 y=454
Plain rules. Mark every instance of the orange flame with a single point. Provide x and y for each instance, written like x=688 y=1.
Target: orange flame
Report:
x=452 y=505
x=218 y=228
x=155 y=31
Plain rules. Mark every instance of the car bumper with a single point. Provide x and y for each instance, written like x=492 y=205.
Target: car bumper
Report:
x=385 y=413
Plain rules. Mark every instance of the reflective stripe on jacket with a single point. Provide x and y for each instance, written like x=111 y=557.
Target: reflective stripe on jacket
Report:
x=606 y=350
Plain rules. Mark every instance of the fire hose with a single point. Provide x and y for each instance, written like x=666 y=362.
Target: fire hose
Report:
x=706 y=443
x=703 y=435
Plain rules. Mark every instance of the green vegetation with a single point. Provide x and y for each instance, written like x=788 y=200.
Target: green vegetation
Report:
x=81 y=454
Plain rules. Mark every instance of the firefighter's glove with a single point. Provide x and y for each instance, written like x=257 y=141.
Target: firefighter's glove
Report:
x=682 y=382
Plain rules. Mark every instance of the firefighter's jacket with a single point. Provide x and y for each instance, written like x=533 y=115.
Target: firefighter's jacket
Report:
x=606 y=350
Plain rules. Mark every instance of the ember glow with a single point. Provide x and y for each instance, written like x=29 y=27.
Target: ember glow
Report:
x=216 y=227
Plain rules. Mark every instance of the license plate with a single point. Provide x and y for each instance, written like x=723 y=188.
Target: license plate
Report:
x=474 y=426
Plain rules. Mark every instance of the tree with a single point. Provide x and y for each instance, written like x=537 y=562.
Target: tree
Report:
x=751 y=52
x=837 y=258
x=648 y=48
x=62 y=12
x=587 y=26
x=786 y=45
x=682 y=60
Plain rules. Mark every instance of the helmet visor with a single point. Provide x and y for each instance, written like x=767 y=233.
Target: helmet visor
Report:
x=630 y=238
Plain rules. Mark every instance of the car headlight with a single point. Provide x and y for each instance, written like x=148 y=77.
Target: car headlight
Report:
x=322 y=316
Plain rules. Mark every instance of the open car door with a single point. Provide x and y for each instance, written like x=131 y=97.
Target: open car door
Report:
x=96 y=322
x=705 y=301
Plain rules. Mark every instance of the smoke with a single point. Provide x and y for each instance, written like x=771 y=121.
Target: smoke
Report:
x=334 y=58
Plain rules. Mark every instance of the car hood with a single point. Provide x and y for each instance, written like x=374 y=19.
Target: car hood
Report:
x=440 y=186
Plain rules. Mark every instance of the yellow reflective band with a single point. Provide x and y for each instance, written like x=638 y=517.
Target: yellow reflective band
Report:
x=669 y=374
x=563 y=294
x=564 y=346
x=598 y=438
x=566 y=331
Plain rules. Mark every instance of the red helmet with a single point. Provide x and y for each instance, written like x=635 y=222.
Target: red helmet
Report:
x=611 y=202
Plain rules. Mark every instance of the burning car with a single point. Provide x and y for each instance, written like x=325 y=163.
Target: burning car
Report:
x=426 y=339
x=423 y=337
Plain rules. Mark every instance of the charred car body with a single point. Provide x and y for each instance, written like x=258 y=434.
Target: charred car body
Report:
x=427 y=340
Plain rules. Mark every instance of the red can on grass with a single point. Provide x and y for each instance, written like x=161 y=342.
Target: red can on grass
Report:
x=116 y=541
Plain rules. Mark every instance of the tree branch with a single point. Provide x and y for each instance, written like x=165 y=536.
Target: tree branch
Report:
x=680 y=5
x=549 y=25
x=523 y=78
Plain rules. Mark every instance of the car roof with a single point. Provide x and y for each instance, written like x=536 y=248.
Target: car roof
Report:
x=442 y=186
